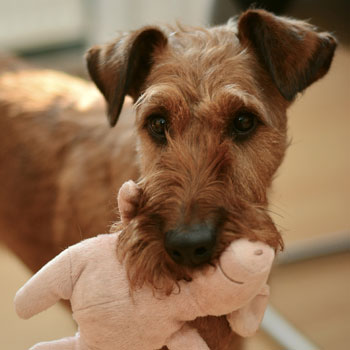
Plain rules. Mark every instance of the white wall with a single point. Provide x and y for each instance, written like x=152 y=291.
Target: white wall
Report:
x=26 y=24
x=108 y=16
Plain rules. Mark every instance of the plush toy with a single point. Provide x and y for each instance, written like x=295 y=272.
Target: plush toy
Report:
x=110 y=317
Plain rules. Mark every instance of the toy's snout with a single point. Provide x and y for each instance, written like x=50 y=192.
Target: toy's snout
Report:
x=244 y=260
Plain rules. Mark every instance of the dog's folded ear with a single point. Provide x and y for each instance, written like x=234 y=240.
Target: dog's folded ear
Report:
x=292 y=52
x=121 y=67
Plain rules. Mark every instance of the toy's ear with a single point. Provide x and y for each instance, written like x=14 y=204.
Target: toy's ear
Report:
x=121 y=67
x=128 y=201
x=246 y=320
x=291 y=51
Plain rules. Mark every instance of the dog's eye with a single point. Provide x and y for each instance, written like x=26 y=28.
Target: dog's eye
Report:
x=244 y=123
x=157 y=125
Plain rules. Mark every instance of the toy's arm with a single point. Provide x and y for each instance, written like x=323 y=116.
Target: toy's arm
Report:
x=186 y=338
x=246 y=320
x=128 y=201
x=46 y=287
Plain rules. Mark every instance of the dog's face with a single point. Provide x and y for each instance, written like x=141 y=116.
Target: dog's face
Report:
x=211 y=123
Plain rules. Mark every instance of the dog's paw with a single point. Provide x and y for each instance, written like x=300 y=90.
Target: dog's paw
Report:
x=128 y=200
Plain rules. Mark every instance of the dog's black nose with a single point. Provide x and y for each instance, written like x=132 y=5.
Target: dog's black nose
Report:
x=191 y=245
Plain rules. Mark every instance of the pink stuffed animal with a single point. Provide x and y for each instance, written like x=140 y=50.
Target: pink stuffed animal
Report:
x=110 y=317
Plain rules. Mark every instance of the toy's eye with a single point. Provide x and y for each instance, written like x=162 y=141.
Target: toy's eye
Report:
x=157 y=126
x=244 y=123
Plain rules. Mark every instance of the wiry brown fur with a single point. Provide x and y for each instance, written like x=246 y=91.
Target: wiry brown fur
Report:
x=199 y=80
x=191 y=181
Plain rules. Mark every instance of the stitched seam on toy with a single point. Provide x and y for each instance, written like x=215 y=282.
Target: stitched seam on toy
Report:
x=195 y=302
x=228 y=277
x=97 y=304
x=70 y=272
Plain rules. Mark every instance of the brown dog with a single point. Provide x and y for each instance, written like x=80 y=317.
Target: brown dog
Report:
x=210 y=109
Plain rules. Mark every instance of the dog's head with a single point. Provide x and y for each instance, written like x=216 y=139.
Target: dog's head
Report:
x=211 y=118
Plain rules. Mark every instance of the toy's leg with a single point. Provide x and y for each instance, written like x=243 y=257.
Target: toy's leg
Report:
x=186 y=338
x=70 y=343
x=246 y=320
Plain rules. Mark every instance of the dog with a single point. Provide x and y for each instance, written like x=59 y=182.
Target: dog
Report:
x=204 y=138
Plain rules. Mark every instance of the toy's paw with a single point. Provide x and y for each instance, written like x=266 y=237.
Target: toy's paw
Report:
x=128 y=201
x=69 y=343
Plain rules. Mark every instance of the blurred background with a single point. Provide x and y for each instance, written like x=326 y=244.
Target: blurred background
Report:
x=310 y=199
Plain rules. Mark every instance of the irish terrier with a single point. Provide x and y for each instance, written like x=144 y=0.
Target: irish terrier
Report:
x=210 y=115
